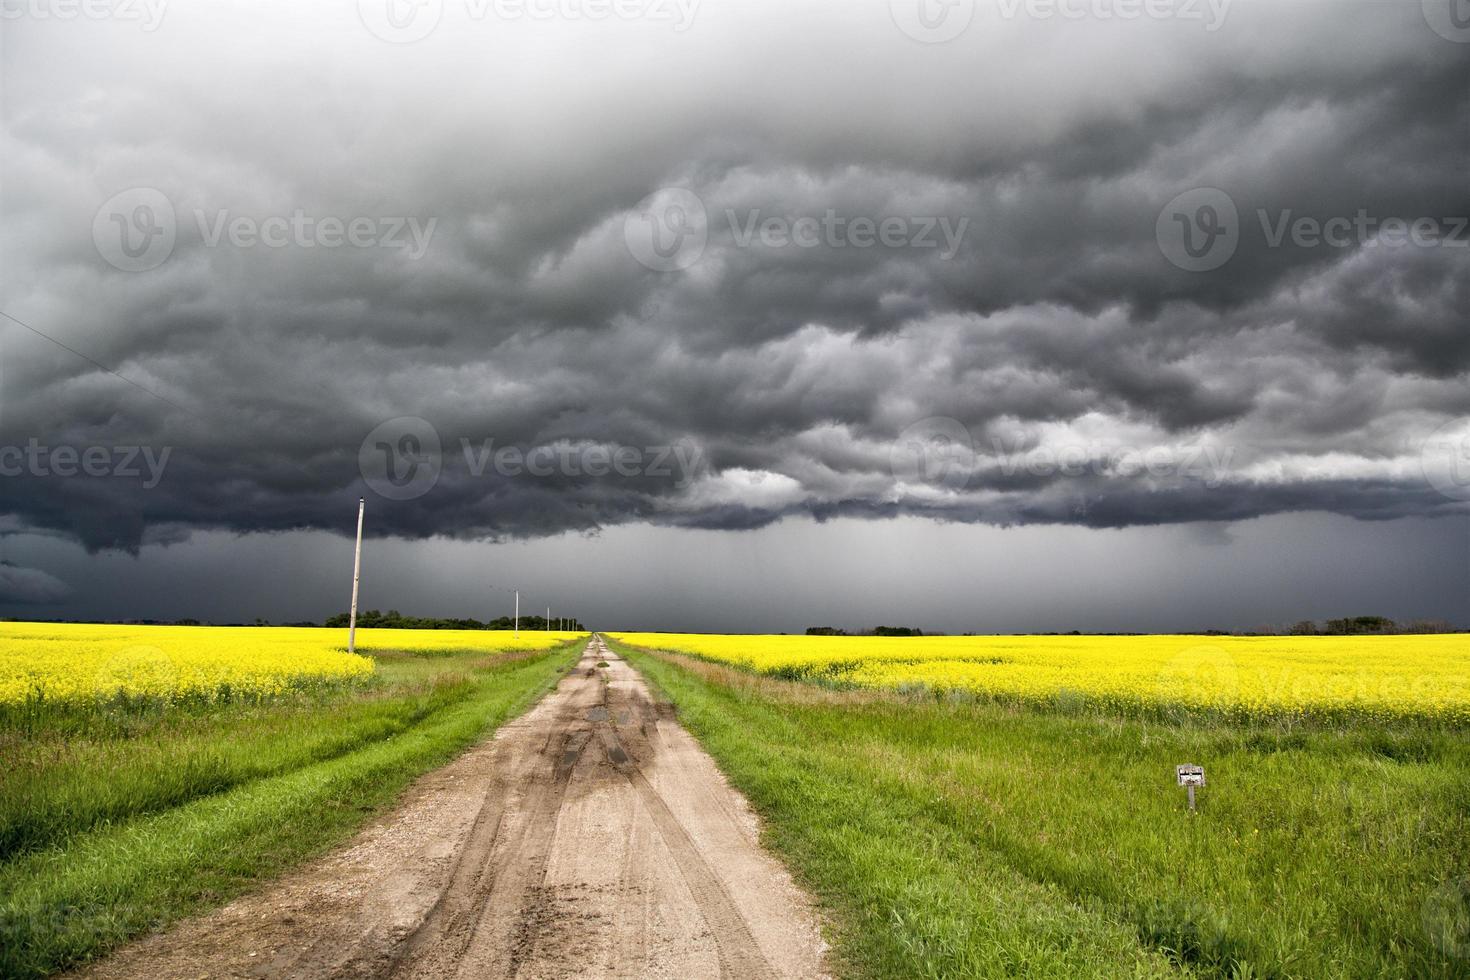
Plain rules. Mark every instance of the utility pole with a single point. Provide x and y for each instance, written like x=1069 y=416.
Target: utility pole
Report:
x=548 y=619
x=356 y=575
x=518 y=614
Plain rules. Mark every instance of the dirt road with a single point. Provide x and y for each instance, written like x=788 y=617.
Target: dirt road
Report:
x=592 y=837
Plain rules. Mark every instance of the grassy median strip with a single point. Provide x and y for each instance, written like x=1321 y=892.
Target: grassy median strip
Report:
x=953 y=839
x=154 y=818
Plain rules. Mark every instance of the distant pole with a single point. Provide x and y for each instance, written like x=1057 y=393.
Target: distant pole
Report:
x=518 y=614
x=548 y=619
x=356 y=576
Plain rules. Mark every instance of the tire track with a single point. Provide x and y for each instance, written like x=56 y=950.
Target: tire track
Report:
x=740 y=955
x=499 y=871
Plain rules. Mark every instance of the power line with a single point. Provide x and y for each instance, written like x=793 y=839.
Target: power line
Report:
x=92 y=360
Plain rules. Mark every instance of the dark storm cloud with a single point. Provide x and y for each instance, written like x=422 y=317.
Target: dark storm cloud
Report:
x=30 y=586
x=1022 y=351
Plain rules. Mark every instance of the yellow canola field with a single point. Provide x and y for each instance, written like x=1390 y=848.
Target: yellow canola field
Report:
x=80 y=663
x=448 y=641
x=1418 y=676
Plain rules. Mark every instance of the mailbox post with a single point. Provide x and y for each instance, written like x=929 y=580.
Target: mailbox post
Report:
x=1190 y=776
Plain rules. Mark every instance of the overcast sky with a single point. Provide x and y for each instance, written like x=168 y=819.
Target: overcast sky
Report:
x=983 y=314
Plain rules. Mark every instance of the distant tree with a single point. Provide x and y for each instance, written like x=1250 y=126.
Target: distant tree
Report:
x=1304 y=628
x=825 y=631
x=1429 y=626
x=393 y=619
x=897 y=631
x=1360 y=624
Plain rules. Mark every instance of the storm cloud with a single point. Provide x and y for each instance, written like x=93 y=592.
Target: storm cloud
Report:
x=724 y=263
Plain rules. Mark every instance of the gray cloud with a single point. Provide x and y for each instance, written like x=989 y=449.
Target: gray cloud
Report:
x=30 y=586
x=1094 y=382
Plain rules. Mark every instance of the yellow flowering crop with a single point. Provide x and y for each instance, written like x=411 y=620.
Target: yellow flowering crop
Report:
x=81 y=663
x=1424 y=676
x=446 y=641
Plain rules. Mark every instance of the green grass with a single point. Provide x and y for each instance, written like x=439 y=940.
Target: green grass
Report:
x=123 y=821
x=971 y=839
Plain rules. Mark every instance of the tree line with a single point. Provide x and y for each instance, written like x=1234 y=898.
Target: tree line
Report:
x=1346 y=626
x=875 y=631
x=395 y=620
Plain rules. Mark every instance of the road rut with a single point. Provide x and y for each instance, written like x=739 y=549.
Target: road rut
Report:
x=592 y=837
